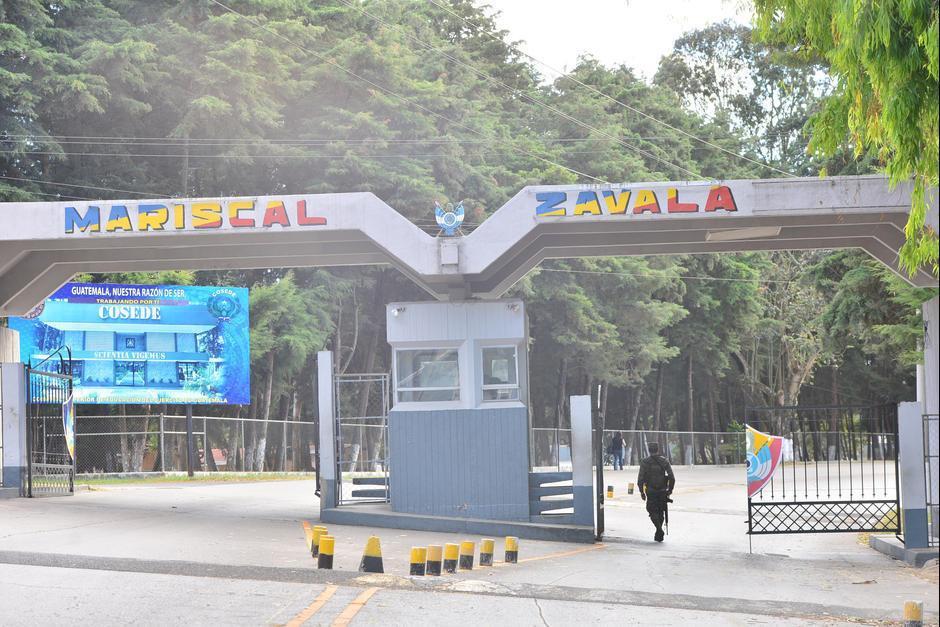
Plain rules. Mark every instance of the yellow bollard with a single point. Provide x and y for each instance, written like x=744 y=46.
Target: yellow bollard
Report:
x=325 y=558
x=486 y=551
x=318 y=532
x=435 y=553
x=512 y=550
x=451 y=553
x=308 y=535
x=630 y=488
x=467 y=549
x=419 y=556
x=610 y=491
x=372 y=557
x=913 y=614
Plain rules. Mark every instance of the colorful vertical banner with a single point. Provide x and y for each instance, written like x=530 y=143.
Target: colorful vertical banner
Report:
x=764 y=453
x=68 y=425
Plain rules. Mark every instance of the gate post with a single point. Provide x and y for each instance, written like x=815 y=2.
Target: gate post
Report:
x=325 y=452
x=582 y=455
x=911 y=475
x=13 y=420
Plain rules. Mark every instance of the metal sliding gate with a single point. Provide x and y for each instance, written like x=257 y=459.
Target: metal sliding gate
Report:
x=50 y=467
x=839 y=471
x=361 y=404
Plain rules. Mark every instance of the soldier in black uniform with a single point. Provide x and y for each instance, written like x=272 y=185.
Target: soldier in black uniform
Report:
x=655 y=484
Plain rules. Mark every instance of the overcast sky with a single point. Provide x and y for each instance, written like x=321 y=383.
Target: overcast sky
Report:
x=632 y=32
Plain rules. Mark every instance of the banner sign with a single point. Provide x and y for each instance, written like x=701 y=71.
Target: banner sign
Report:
x=145 y=344
x=763 y=456
x=68 y=425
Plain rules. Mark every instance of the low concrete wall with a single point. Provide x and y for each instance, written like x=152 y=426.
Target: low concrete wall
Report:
x=466 y=463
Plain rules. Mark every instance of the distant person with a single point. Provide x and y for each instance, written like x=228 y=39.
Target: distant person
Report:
x=616 y=450
x=655 y=484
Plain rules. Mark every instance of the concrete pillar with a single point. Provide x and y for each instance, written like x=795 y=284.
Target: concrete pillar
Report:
x=327 y=430
x=911 y=478
x=13 y=419
x=582 y=460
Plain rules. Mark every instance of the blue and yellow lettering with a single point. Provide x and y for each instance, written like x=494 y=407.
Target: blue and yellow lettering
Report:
x=91 y=221
x=587 y=203
x=550 y=202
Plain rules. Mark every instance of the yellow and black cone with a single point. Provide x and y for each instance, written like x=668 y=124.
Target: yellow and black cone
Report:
x=486 y=551
x=419 y=556
x=435 y=555
x=316 y=533
x=610 y=491
x=325 y=558
x=467 y=549
x=451 y=553
x=512 y=550
x=630 y=488
x=372 y=557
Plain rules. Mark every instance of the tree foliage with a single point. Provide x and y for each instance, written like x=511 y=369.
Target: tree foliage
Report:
x=883 y=57
x=110 y=99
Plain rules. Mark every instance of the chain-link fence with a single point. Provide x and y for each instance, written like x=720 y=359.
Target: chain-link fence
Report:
x=551 y=448
x=157 y=443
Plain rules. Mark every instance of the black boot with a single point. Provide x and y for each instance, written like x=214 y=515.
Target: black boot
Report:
x=659 y=534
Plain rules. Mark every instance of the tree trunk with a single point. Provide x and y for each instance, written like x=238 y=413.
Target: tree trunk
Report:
x=631 y=441
x=125 y=445
x=560 y=399
x=657 y=412
x=833 y=435
x=268 y=401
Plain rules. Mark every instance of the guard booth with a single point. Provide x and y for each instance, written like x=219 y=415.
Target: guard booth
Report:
x=459 y=425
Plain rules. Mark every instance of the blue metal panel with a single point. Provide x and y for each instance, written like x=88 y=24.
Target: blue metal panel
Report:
x=468 y=463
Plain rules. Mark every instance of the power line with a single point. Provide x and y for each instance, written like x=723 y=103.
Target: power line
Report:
x=257 y=156
x=208 y=141
x=106 y=189
x=405 y=99
x=488 y=77
x=655 y=275
x=598 y=92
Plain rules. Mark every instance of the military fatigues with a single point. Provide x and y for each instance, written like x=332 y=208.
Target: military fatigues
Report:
x=656 y=482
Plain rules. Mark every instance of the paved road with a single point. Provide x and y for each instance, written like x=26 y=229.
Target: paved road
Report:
x=235 y=554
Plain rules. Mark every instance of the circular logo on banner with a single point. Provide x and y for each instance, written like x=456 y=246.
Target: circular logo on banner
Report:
x=224 y=305
x=36 y=311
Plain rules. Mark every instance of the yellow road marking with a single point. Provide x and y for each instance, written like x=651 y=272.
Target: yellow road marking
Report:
x=593 y=547
x=314 y=607
x=353 y=608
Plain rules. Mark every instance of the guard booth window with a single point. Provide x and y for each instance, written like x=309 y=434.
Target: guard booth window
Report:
x=427 y=375
x=500 y=374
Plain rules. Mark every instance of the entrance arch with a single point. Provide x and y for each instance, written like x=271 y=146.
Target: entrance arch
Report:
x=43 y=244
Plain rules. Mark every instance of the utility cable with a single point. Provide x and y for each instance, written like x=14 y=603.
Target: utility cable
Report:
x=512 y=90
x=390 y=92
x=106 y=189
x=598 y=92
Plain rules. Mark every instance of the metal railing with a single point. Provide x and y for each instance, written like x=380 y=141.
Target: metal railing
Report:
x=932 y=475
x=157 y=443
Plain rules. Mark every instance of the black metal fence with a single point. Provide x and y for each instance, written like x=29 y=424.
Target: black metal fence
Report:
x=50 y=467
x=838 y=472
x=932 y=475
